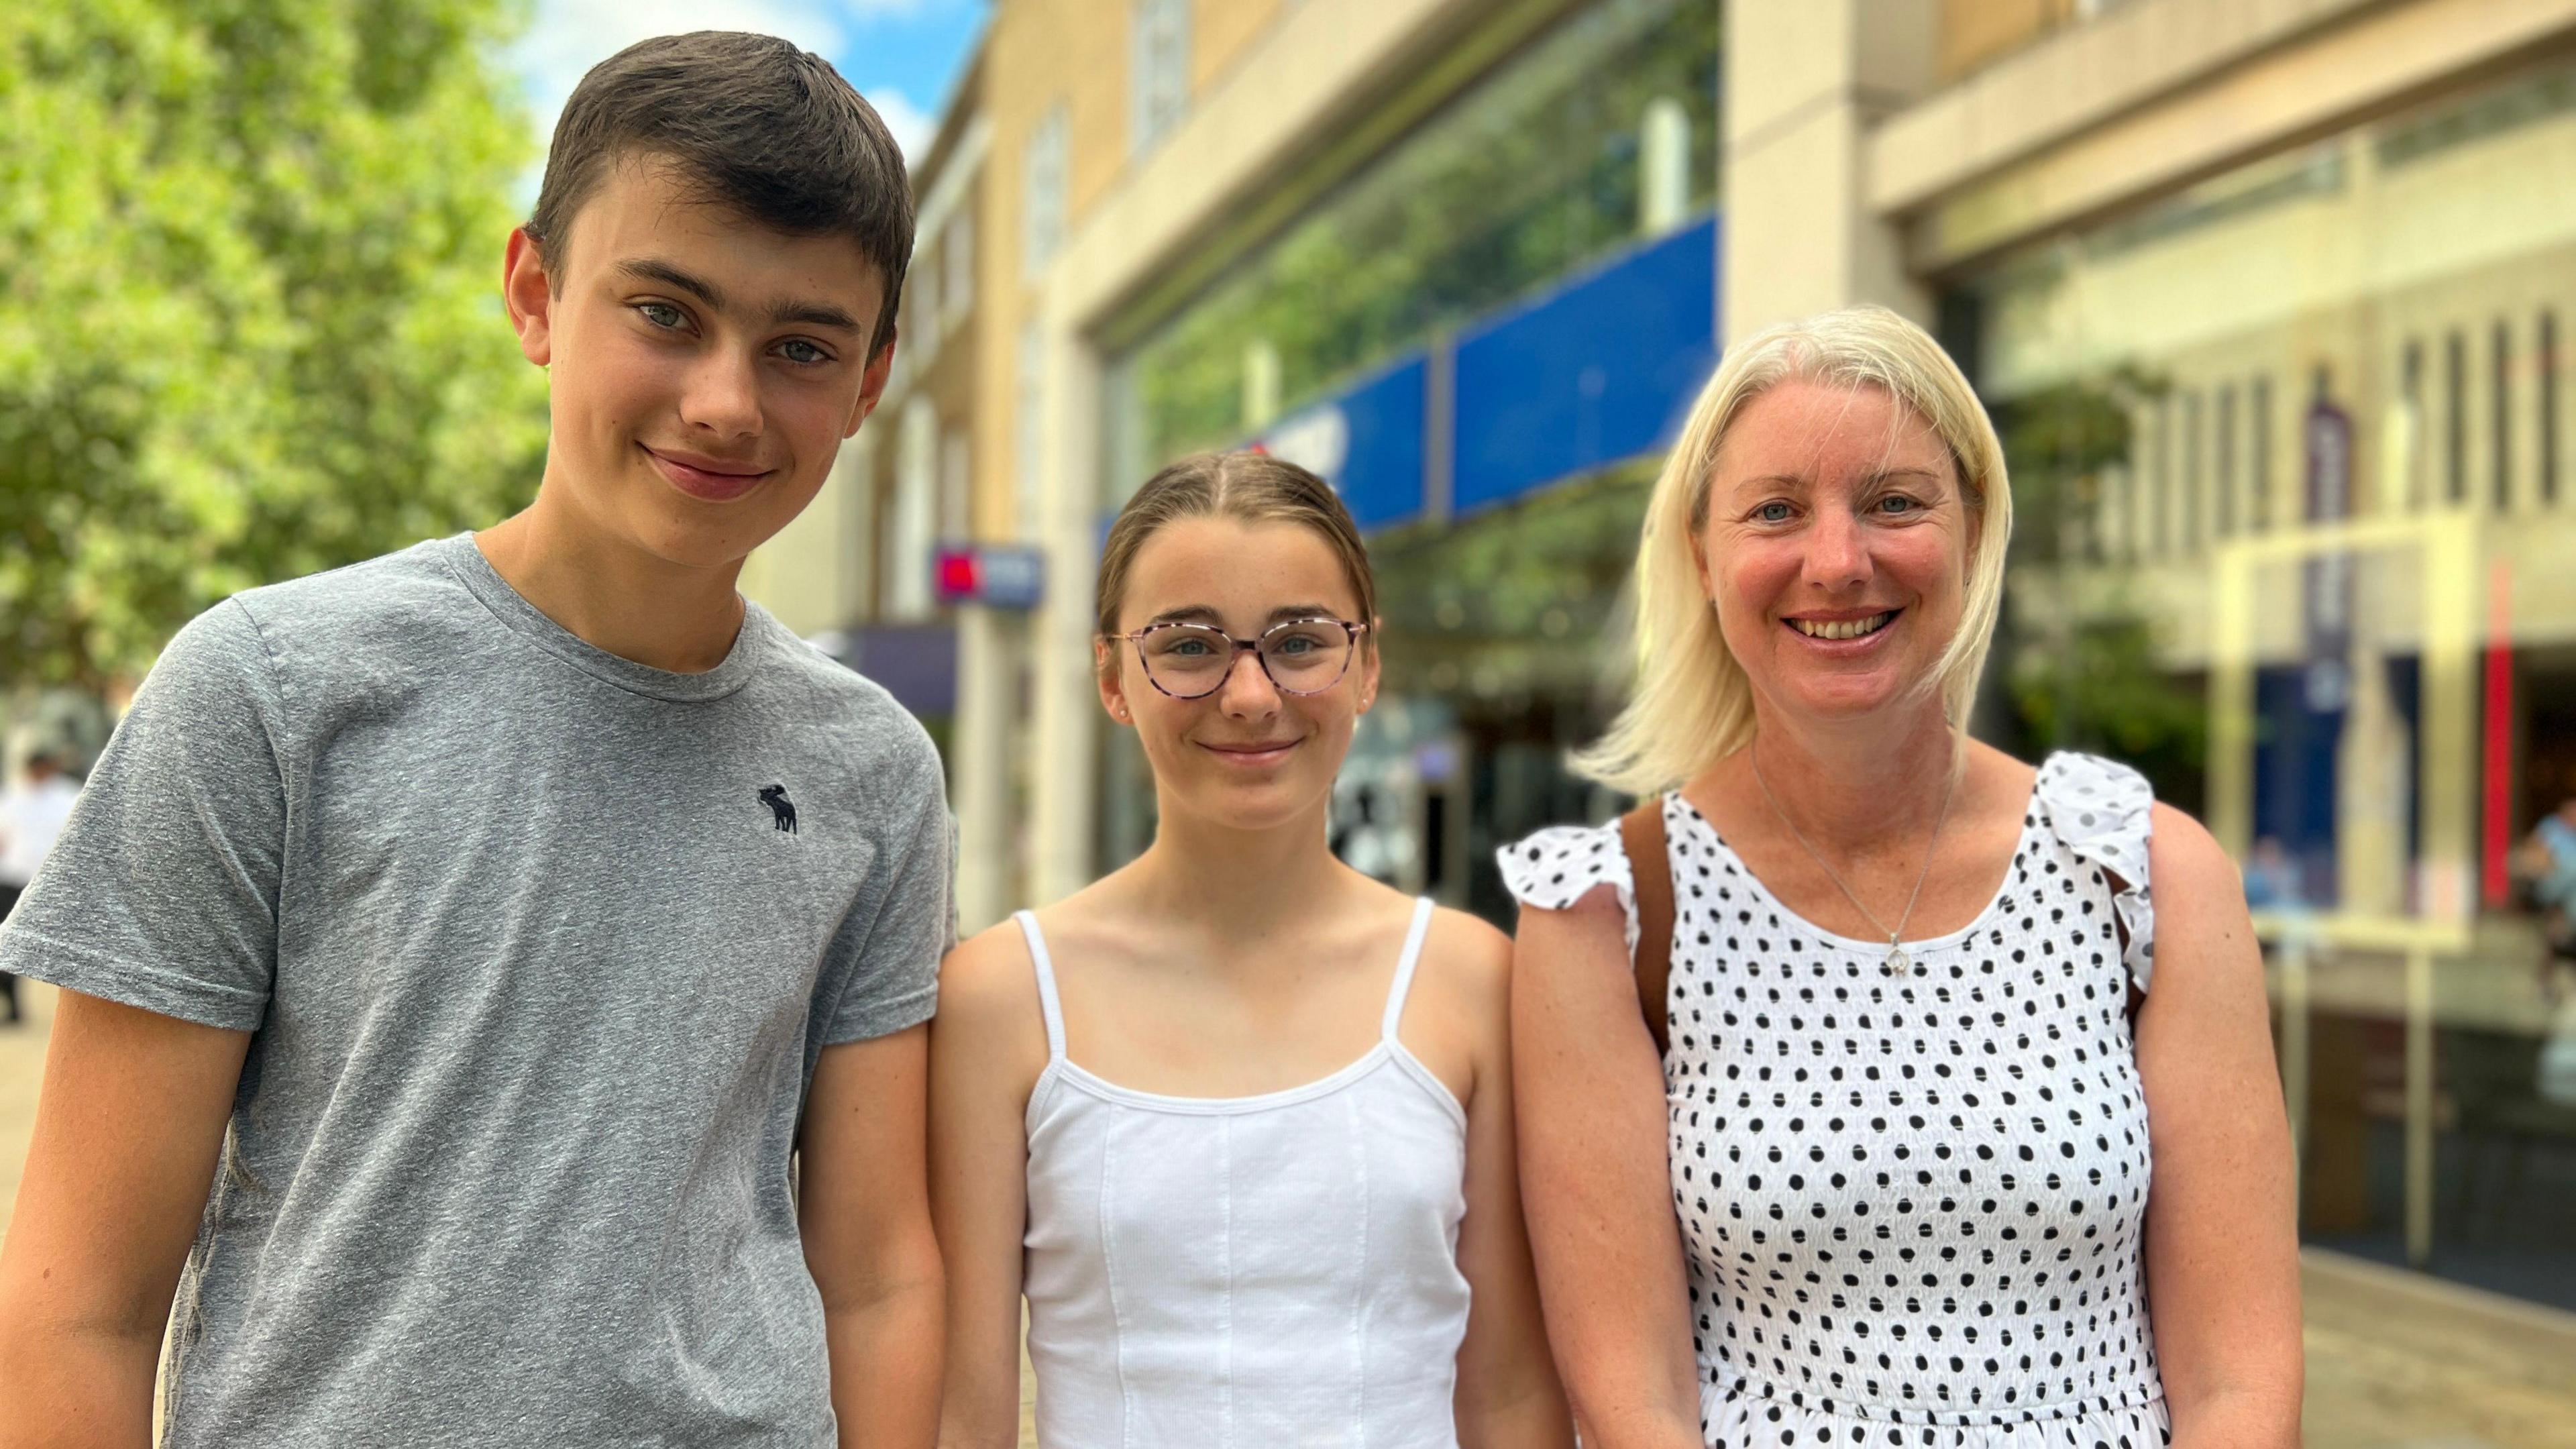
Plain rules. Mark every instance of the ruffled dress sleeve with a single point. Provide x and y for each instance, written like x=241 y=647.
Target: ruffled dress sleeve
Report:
x=1555 y=868
x=2103 y=811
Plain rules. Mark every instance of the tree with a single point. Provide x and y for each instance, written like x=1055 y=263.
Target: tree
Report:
x=2086 y=677
x=249 y=318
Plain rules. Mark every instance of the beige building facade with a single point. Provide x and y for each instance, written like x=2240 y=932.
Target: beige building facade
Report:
x=2270 y=299
x=1106 y=161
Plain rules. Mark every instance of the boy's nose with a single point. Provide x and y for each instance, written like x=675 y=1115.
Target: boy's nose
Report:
x=723 y=397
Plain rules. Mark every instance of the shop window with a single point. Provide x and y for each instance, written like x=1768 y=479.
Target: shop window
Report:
x=2543 y=97
x=2225 y=469
x=2455 y=420
x=2190 y=473
x=921 y=321
x=2258 y=409
x=909 y=539
x=2411 y=394
x=956 y=487
x=1030 y=429
x=1545 y=164
x=2500 y=417
x=1043 y=164
x=1159 y=73
x=2547 y=373
x=957 y=266
x=2162 y=488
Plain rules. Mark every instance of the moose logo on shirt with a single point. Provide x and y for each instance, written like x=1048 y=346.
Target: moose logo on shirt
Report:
x=775 y=797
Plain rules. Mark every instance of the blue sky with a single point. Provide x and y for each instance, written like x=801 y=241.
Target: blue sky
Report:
x=901 y=54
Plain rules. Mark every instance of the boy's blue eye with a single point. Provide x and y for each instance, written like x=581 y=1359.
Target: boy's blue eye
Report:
x=809 y=352
x=660 y=314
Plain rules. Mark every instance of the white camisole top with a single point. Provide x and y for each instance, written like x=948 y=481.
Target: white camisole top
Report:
x=1277 y=1270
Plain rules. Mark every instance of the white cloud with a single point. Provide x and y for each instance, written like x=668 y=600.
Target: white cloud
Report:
x=912 y=126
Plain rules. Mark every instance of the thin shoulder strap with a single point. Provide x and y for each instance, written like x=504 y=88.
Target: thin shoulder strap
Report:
x=1650 y=867
x=1046 y=984
x=1404 y=967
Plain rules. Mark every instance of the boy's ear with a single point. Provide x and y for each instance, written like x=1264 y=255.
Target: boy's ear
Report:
x=872 y=385
x=529 y=295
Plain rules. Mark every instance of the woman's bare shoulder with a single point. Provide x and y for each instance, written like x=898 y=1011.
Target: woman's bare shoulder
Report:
x=2189 y=870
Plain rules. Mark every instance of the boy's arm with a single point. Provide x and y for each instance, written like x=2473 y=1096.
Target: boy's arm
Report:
x=156 y=912
x=863 y=1206
x=127 y=1133
x=863 y=1191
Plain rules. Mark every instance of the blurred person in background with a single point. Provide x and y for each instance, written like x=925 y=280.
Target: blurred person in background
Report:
x=32 y=813
x=1235 y=1121
x=1958 y=1139
x=453 y=1026
x=2272 y=878
x=2547 y=861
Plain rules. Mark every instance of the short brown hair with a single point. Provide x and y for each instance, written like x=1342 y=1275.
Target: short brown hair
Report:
x=754 y=123
x=1250 y=487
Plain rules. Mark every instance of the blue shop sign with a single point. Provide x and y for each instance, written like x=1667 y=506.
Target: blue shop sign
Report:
x=1366 y=441
x=1600 y=370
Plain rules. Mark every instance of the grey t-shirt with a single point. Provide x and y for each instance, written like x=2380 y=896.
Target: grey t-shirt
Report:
x=537 y=964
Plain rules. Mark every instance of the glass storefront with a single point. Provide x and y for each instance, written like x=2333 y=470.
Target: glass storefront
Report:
x=2297 y=438
x=1529 y=173
x=1576 y=153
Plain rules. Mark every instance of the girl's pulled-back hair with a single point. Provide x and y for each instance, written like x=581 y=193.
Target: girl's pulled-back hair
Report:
x=1250 y=487
x=1691 y=703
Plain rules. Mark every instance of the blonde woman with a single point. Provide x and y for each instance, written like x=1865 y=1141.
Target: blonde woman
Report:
x=1235 y=1121
x=1957 y=1140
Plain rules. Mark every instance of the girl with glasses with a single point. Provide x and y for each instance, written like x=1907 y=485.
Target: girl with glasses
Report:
x=1235 y=1121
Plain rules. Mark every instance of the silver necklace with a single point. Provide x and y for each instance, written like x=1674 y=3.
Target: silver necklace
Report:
x=1898 y=962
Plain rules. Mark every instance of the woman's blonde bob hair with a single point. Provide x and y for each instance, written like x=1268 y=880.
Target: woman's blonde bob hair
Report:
x=1691 y=704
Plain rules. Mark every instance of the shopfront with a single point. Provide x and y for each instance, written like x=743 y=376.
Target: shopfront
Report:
x=1482 y=337
x=2304 y=427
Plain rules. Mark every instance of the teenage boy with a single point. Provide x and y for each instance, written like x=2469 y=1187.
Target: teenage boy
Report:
x=440 y=914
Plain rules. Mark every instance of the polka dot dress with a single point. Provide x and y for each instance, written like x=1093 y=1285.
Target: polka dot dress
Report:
x=1911 y=1203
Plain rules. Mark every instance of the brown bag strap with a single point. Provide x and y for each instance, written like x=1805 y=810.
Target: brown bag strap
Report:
x=1641 y=831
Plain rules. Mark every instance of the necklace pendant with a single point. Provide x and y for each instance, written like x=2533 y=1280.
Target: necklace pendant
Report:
x=1898 y=963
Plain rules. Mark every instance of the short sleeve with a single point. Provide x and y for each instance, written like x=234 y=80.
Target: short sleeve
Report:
x=1555 y=868
x=162 y=890
x=2104 y=812
x=884 y=975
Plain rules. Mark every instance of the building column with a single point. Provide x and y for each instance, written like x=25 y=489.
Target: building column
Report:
x=1805 y=82
x=987 y=668
x=1064 y=805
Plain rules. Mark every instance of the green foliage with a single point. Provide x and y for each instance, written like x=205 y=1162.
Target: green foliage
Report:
x=2086 y=676
x=1524 y=600
x=2057 y=441
x=249 y=322
x=2098 y=687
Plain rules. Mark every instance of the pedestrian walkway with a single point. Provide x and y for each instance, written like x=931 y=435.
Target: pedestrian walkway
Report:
x=2404 y=1360
x=22 y=1066
x=2396 y=1360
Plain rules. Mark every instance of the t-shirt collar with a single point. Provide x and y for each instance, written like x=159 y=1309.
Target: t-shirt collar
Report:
x=513 y=609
